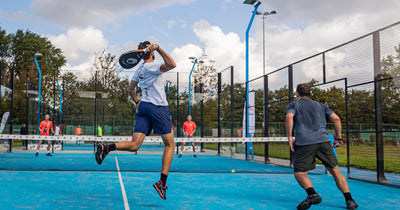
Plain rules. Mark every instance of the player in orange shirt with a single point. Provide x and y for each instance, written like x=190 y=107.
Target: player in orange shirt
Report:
x=44 y=128
x=189 y=127
x=78 y=130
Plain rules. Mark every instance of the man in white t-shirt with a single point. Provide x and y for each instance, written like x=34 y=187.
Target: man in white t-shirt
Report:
x=57 y=132
x=152 y=111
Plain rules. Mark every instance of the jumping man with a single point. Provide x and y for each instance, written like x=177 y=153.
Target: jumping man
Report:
x=152 y=112
x=189 y=127
x=44 y=130
x=308 y=118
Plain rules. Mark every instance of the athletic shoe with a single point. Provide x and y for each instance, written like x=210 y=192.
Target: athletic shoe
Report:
x=180 y=155
x=351 y=204
x=310 y=200
x=162 y=190
x=195 y=156
x=101 y=153
x=48 y=154
x=37 y=153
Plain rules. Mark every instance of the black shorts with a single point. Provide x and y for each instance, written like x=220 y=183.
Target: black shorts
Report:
x=304 y=156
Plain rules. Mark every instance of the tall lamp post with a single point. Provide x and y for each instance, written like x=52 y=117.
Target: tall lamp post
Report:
x=190 y=82
x=256 y=4
x=264 y=16
x=60 y=114
x=40 y=86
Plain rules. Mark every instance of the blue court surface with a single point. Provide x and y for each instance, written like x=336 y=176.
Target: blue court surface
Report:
x=75 y=181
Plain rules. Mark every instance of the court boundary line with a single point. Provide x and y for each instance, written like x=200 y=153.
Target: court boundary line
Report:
x=126 y=204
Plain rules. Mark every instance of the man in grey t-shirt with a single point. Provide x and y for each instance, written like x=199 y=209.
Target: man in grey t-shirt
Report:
x=308 y=118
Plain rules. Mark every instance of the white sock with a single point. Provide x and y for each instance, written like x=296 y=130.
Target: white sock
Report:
x=37 y=151
x=48 y=151
x=194 y=153
x=181 y=152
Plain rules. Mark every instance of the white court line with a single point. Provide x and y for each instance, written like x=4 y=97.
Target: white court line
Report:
x=126 y=204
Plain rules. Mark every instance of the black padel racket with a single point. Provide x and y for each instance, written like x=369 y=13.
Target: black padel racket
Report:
x=131 y=58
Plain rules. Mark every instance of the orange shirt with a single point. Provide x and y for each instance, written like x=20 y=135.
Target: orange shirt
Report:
x=45 y=127
x=188 y=128
x=78 y=131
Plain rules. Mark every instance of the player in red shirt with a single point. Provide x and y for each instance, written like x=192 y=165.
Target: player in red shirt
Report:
x=189 y=127
x=44 y=128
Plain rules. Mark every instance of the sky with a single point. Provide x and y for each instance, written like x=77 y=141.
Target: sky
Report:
x=187 y=28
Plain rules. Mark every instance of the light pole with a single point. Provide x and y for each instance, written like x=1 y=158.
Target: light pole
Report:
x=273 y=12
x=256 y=5
x=190 y=81
x=60 y=114
x=40 y=86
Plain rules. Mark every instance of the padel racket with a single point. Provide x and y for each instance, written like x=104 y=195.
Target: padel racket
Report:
x=131 y=58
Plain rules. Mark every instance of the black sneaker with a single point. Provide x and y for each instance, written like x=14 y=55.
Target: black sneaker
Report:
x=162 y=190
x=310 y=200
x=351 y=204
x=101 y=153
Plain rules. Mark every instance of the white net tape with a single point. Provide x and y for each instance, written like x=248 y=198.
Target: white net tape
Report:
x=147 y=139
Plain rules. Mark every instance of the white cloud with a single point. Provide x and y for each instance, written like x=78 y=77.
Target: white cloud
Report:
x=80 y=44
x=94 y=12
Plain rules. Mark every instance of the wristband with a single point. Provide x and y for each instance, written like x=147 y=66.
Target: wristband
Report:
x=136 y=102
x=338 y=139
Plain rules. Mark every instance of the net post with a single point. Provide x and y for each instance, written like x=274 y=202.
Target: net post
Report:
x=219 y=111
x=266 y=119
x=378 y=109
x=291 y=97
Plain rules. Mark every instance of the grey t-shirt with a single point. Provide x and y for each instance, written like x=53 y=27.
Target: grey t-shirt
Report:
x=309 y=121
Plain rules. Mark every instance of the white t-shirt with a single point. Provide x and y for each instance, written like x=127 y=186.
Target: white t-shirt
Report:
x=57 y=131
x=152 y=83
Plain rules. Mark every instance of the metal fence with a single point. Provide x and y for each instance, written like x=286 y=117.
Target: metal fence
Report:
x=360 y=81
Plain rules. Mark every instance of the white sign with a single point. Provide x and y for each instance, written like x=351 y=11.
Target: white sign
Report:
x=252 y=116
x=4 y=121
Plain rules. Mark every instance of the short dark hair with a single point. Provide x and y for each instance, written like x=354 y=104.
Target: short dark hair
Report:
x=304 y=89
x=143 y=45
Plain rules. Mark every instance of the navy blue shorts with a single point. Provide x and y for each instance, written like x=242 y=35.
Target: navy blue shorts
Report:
x=152 y=117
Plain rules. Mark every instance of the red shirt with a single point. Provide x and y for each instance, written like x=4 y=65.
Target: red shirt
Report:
x=188 y=127
x=45 y=127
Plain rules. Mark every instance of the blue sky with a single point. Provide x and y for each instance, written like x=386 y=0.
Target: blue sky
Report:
x=192 y=27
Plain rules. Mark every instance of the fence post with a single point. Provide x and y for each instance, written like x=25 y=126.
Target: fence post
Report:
x=201 y=117
x=178 y=125
x=266 y=118
x=347 y=127
x=232 y=109
x=232 y=100
x=323 y=68
x=290 y=82
x=378 y=110
x=219 y=111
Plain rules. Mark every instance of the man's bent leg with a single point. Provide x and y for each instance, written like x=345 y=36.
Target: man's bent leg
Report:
x=312 y=198
x=340 y=180
x=134 y=145
x=161 y=186
x=168 y=155
x=303 y=180
x=343 y=186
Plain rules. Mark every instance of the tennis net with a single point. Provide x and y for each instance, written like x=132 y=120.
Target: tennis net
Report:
x=214 y=155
